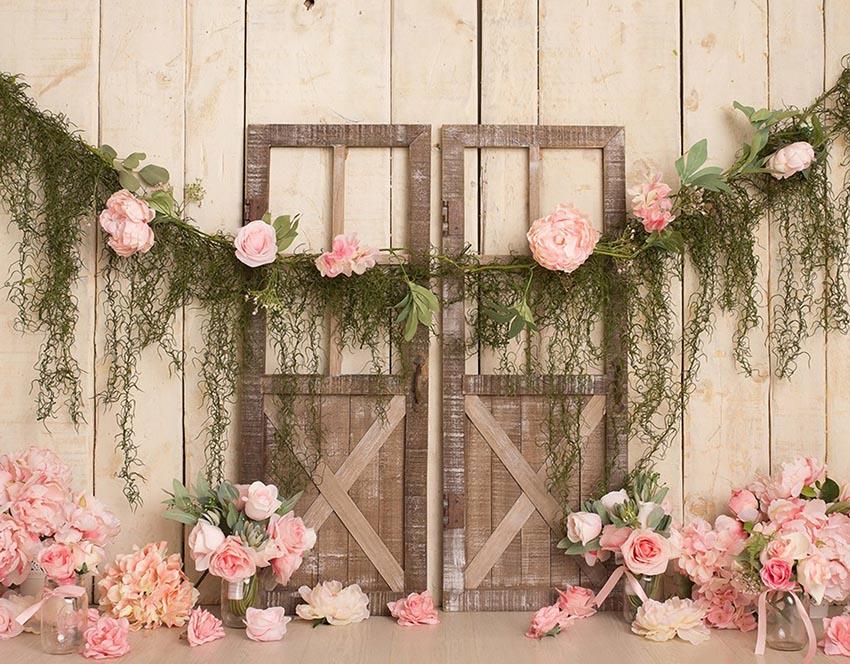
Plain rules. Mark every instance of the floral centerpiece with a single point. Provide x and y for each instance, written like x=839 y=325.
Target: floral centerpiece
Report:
x=238 y=530
x=633 y=526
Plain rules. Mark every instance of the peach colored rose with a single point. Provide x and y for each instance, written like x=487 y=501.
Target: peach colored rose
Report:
x=331 y=602
x=836 y=636
x=9 y=627
x=346 y=257
x=613 y=498
x=583 y=527
x=16 y=548
x=266 y=624
x=285 y=566
x=577 y=601
x=776 y=574
x=131 y=239
x=662 y=621
x=415 y=609
x=652 y=205
x=744 y=505
x=547 y=621
x=204 y=541
x=58 y=562
x=107 y=638
x=256 y=243
x=613 y=538
x=261 y=501
x=290 y=533
x=646 y=552
x=813 y=574
x=562 y=241
x=203 y=627
x=232 y=561
x=791 y=159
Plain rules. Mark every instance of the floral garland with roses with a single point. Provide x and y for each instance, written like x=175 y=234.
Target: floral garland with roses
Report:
x=155 y=261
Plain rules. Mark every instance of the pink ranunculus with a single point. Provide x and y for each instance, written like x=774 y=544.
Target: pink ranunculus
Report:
x=651 y=204
x=232 y=561
x=16 y=547
x=203 y=627
x=836 y=635
x=415 y=609
x=562 y=241
x=204 y=541
x=547 y=621
x=813 y=573
x=290 y=533
x=583 y=527
x=646 y=552
x=776 y=574
x=285 y=566
x=346 y=257
x=791 y=159
x=613 y=537
x=131 y=239
x=107 y=638
x=577 y=601
x=744 y=505
x=256 y=243
x=9 y=627
x=266 y=624
x=261 y=501
x=58 y=562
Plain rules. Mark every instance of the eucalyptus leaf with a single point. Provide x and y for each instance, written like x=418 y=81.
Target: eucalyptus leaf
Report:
x=153 y=175
x=132 y=161
x=108 y=152
x=181 y=517
x=129 y=181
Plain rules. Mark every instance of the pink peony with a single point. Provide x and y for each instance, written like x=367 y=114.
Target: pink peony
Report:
x=646 y=552
x=613 y=538
x=651 y=204
x=744 y=505
x=583 y=527
x=40 y=508
x=562 y=241
x=107 y=638
x=577 y=601
x=776 y=574
x=233 y=561
x=813 y=573
x=58 y=563
x=204 y=541
x=346 y=257
x=415 y=609
x=256 y=243
x=203 y=627
x=16 y=548
x=791 y=159
x=88 y=519
x=548 y=621
x=836 y=635
x=266 y=624
x=662 y=621
x=126 y=218
x=132 y=239
x=9 y=627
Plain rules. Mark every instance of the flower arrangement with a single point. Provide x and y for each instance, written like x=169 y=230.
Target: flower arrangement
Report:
x=346 y=257
x=331 y=603
x=43 y=520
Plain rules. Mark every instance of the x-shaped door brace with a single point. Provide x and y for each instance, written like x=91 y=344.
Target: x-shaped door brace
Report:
x=333 y=491
x=535 y=494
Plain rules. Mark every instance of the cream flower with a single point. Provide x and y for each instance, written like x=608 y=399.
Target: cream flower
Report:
x=662 y=621
x=330 y=602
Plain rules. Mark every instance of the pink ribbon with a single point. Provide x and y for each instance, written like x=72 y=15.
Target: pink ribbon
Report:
x=761 y=639
x=603 y=593
x=64 y=592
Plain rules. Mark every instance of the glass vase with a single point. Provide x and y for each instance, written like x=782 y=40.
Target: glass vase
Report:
x=785 y=627
x=237 y=598
x=651 y=585
x=63 y=620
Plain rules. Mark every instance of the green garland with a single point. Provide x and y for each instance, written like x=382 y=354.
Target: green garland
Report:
x=52 y=183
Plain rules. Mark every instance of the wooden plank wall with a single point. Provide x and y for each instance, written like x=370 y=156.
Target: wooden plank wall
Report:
x=179 y=80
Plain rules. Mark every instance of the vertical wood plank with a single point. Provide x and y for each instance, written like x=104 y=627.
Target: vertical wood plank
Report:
x=479 y=480
x=726 y=426
x=365 y=494
x=391 y=520
x=333 y=539
x=507 y=571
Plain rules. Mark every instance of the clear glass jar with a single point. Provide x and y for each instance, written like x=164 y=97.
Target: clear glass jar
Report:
x=237 y=598
x=785 y=627
x=652 y=586
x=63 y=620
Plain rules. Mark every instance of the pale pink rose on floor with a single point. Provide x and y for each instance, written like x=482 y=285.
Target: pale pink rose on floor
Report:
x=547 y=621
x=107 y=638
x=290 y=533
x=836 y=636
x=40 y=509
x=652 y=205
x=232 y=561
x=415 y=609
x=266 y=624
x=132 y=239
x=583 y=526
x=662 y=621
x=58 y=562
x=331 y=602
x=776 y=574
x=613 y=538
x=744 y=505
x=346 y=257
x=16 y=548
x=613 y=498
x=284 y=566
x=261 y=501
x=577 y=601
x=813 y=574
x=9 y=627
x=791 y=159
x=646 y=552
x=204 y=541
x=203 y=627
x=562 y=241
x=256 y=243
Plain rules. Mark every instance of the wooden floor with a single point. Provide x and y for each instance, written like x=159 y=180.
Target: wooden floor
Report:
x=462 y=638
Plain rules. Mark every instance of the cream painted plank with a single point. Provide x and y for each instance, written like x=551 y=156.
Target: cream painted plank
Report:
x=434 y=81
x=215 y=65
x=796 y=64
x=54 y=46
x=726 y=425
x=142 y=108
x=836 y=45
x=599 y=64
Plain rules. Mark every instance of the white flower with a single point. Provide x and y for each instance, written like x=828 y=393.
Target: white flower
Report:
x=583 y=527
x=204 y=540
x=261 y=501
x=331 y=602
x=662 y=621
x=613 y=498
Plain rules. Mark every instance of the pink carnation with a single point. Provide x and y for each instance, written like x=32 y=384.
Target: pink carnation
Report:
x=415 y=609
x=107 y=638
x=346 y=257
x=651 y=204
x=563 y=240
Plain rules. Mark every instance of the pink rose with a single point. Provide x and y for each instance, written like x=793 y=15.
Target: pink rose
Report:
x=776 y=574
x=232 y=561
x=107 y=638
x=203 y=627
x=744 y=505
x=126 y=218
x=415 y=609
x=346 y=257
x=791 y=159
x=261 y=501
x=204 y=541
x=9 y=627
x=242 y=490
x=131 y=239
x=613 y=538
x=577 y=601
x=290 y=533
x=266 y=625
x=256 y=243
x=651 y=204
x=583 y=527
x=814 y=574
x=58 y=562
x=836 y=635
x=789 y=547
x=646 y=552
x=285 y=566
x=564 y=240
x=547 y=621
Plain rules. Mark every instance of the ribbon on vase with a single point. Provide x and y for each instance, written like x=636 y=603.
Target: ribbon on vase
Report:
x=63 y=592
x=761 y=638
x=610 y=584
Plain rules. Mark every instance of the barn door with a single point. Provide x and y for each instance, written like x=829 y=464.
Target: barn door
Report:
x=366 y=493
x=501 y=523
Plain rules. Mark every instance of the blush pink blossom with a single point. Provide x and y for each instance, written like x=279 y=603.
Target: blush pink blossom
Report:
x=58 y=563
x=261 y=501
x=662 y=621
x=126 y=219
x=232 y=561
x=744 y=505
x=583 y=526
x=132 y=239
x=256 y=243
x=814 y=574
x=40 y=508
x=547 y=621
x=652 y=205
x=776 y=574
x=204 y=541
x=415 y=609
x=577 y=601
x=333 y=603
x=284 y=566
x=203 y=627
x=16 y=548
x=266 y=624
x=107 y=638
x=613 y=498
x=613 y=538
x=9 y=627
x=346 y=257
x=836 y=636
x=791 y=159
x=563 y=240
x=646 y=552
x=727 y=606
x=290 y=533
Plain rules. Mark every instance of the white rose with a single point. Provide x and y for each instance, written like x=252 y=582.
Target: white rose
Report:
x=204 y=539
x=583 y=526
x=613 y=498
x=261 y=501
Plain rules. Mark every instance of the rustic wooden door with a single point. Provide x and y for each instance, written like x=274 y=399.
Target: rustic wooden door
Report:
x=366 y=497
x=501 y=523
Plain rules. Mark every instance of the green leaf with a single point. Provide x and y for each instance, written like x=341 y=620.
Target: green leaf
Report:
x=232 y=516
x=202 y=487
x=830 y=490
x=680 y=167
x=267 y=217
x=696 y=156
x=180 y=517
x=410 y=326
x=129 y=181
x=289 y=503
x=162 y=201
x=433 y=302
x=746 y=110
x=808 y=492
x=153 y=175
x=516 y=327
x=843 y=506
x=108 y=152
x=132 y=161
x=227 y=493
